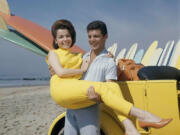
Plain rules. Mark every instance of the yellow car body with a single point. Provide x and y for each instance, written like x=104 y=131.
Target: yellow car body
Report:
x=160 y=97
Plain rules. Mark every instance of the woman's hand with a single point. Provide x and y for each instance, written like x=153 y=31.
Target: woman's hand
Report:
x=85 y=64
x=110 y=55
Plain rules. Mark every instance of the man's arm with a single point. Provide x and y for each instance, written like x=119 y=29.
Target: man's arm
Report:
x=53 y=60
x=51 y=71
x=110 y=76
x=92 y=95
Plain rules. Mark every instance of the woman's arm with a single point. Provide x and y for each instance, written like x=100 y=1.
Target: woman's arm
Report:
x=63 y=72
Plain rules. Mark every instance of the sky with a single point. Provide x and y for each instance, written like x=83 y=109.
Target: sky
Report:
x=128 y=22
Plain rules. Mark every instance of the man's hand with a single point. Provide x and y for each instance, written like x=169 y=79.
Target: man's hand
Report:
x=92 y=95
x=52 y=72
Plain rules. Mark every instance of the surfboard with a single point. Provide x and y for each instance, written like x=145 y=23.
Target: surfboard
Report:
x=36 y=33
x=4 y=7
x=169 y=51
x=138 y=56
x=148 y=54
x=109 y=48
x=133 y=52
x=155 y=57
x=120 y=55
x=161 y=58
x=113 y=49
x=3 y=24
x=175 y=55
x=130 y=54
x=178 y=63
x=19 y=40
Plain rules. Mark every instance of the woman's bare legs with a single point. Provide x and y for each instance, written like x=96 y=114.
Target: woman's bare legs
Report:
x=144 y=115
x=136 y=112
x=129 y=127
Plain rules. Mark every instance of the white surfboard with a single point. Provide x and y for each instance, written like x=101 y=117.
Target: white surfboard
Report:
x=132 y=50
x=138 y=56
x=110 y=48
x=163 y=53
x=155 y=57
x=113 y=49
x=120 y=55
x=149 y=52
x=175 y=55
x=168 y=54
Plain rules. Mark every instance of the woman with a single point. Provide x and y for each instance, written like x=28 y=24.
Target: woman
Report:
x=69 y=92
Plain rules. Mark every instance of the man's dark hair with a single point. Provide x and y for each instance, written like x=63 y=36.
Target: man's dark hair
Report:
x=97 y=25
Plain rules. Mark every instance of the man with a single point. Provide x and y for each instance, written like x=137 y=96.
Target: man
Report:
x=86 y=121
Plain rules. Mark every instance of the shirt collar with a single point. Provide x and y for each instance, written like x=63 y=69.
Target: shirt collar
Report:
x=104 y=52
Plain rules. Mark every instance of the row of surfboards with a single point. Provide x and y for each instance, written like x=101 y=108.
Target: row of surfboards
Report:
x=153 y=56
x=38 y=40
x=169 y=56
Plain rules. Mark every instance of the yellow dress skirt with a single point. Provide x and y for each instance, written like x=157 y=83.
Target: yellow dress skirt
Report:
x=71 y=93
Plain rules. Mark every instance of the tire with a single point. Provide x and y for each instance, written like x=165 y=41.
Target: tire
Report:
x=58 y=129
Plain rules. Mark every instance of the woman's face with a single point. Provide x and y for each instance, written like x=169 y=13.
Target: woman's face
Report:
x=63 y=39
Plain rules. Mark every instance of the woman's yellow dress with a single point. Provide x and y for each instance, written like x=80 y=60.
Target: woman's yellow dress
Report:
x=71 y=93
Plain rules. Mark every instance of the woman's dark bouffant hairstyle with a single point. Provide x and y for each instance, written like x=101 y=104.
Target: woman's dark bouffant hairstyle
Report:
x=63 y=24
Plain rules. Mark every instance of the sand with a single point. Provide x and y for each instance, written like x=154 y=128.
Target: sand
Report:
x=27 y=110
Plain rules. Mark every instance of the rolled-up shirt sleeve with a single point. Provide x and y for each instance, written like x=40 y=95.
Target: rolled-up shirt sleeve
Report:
x=111 y=71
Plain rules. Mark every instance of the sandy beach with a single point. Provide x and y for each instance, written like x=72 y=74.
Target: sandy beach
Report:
x=27 y=110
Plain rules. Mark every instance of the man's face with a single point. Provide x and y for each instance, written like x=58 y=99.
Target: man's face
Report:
x=96 y=39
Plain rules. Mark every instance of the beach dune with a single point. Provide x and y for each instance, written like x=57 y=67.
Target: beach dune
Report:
x=27 y=110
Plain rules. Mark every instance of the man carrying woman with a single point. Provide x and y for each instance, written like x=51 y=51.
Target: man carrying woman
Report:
x=71 y=93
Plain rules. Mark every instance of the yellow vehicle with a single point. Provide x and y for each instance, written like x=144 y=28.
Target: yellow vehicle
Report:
x=161 y=97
